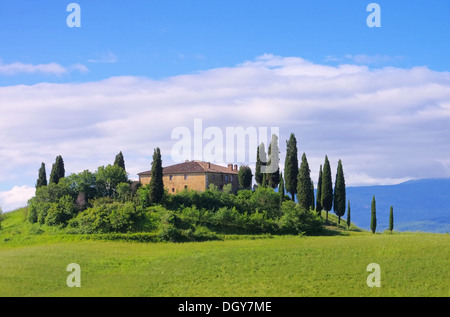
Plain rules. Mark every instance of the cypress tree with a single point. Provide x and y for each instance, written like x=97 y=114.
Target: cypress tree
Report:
x=319 y=193
x=373 y=218
x=339 y=192
x=291 y=167
x=281 y=188
x=119 y=160
x=304 y=197
x=313 y=205
x=348 y=215
x=391 y=219
x=327 y=188
x=261 y=160
x=245 y=177
x=273 y=178
x=58 y=170
x=156 y=186
x=42 y=177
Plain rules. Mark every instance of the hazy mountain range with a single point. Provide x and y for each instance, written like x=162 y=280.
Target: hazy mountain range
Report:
x=419 y=205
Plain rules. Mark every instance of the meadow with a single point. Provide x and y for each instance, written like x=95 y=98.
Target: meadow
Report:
x=33 y=264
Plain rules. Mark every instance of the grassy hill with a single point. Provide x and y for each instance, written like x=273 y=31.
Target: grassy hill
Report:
x=33 y=261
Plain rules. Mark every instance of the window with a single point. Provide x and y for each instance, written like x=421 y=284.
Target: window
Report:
x=173 y=190
x=185 y=186
x=185 y=176
x=226 y=178
x=170 y=177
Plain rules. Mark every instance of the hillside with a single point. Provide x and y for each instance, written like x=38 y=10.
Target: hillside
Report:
x=419 y=205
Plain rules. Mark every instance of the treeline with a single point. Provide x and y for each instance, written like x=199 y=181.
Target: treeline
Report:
x=105 y=201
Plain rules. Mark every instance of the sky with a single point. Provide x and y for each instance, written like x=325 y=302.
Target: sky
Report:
x=378 y=98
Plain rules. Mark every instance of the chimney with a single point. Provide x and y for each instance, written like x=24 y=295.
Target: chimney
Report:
x=209 y=165
x=230 y=167
x=235 y=167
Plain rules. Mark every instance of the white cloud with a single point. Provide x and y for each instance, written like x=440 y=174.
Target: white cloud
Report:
x=386 y=124
x=50 y=68
x=16 y=197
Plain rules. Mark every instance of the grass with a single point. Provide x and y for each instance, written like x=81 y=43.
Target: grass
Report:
x=412 y=264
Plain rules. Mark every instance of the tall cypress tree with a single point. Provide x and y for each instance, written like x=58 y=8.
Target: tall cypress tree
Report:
x=273 y=178
x=313 y=205
x=58 y=170
x=291 y=166
x=391 y=219
x=327 y=188
x=261 y=160
x=119 y=160
x=304 y=197
x=319 y=193
x=245 y=177
x=156 y=186
x=339 y=192
x=373 y=218
x=348 y=215
x=42 y=177
x=281 y=188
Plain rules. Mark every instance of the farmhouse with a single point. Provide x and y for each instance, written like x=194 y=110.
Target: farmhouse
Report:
x=196 y=175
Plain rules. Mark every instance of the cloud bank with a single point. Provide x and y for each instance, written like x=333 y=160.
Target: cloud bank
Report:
x=387 y=124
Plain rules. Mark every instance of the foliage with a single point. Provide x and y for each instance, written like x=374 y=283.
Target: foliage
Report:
x=319 y=192
x=107 y=178
x=327 y=187
x=58 y=170
x=42 y=176
x=273 y=178
x=245 y=177
x=261 y=160
x=373 y=218
x=291 y=166
x=156 y=186
x=391 y=219
x=119 y=161
x=304 y=196
x=339 y=192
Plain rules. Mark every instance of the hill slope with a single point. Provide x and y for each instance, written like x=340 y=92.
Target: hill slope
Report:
x=419 y=205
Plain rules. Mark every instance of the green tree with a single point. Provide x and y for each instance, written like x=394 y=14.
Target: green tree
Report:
x=319 y=193
x=391 y=219
x=156 y=186
x=42 y=176
x=339 y=192
x=58 y=170
x=304 y=197
x=245 y=177
x=281 y=188
x=327 y=188
x=107 y=178
x=373 y=218
x=119 y=161
x=348 y=215
x=273 y=178
x=261 y=160
x=313 y=205
x=291 y=167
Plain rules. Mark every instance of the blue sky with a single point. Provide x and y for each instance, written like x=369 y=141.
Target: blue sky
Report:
x=147 y=67
x=158 y=39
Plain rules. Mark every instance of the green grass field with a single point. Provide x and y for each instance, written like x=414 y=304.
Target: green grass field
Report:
x=33 y=262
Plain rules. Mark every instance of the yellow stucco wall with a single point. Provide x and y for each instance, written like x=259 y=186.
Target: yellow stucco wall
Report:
x=199 y=181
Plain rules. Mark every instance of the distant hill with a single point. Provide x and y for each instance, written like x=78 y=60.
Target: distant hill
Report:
x=419 y=205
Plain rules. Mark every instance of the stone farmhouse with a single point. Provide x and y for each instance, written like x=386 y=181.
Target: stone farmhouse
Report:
x=195 y=175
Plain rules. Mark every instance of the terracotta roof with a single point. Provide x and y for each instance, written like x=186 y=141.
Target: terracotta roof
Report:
x=196 y=167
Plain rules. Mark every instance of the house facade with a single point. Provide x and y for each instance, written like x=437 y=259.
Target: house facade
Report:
x=195 y=175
